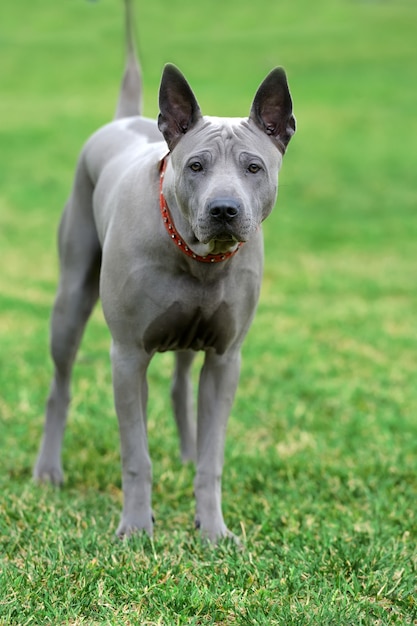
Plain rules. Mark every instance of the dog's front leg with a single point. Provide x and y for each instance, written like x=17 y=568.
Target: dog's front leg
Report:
x=218 y=382
x=130 y=392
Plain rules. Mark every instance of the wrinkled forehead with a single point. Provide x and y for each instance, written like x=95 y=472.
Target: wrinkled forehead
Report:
x=224 y=134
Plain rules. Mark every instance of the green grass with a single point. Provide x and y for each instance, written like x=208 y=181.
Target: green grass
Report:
x=321 y=460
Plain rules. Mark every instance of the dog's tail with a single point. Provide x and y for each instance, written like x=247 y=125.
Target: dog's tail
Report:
x=130 y=97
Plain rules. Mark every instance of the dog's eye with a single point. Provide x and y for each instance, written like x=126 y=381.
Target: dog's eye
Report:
x=196 y=166
x=254 y=168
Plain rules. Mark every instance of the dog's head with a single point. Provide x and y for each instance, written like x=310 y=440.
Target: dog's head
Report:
x=225 y=169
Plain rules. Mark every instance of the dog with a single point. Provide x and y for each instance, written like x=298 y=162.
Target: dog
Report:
x=164 y=224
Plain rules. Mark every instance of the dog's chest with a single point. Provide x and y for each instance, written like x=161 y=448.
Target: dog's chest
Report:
x=180 y=329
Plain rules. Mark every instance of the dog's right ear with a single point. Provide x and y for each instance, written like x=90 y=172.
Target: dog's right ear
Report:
x=179 y=110
x=272 y=109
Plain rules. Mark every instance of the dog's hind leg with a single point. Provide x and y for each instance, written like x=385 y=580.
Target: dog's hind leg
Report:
x=183 y=405
x=78 y=290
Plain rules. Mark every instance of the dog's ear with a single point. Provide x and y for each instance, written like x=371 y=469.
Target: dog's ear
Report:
x=272 y=109
x=179 y=110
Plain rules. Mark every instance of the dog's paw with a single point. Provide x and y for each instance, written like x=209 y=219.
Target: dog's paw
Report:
x=129 y=527
x=45 y=473
x=215 y=534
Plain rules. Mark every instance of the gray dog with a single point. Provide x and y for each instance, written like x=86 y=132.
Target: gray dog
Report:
x=164 y=223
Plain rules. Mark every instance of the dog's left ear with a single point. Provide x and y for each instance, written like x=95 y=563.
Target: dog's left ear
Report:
x=272 y=109
x=179 y=110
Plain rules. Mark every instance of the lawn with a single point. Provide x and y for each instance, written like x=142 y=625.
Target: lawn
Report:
x=321 y=462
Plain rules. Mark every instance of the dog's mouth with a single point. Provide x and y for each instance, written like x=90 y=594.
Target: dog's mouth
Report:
x=227 y=236
x=221 y=245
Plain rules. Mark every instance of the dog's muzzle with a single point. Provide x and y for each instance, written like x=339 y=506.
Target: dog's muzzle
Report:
x=223 y=220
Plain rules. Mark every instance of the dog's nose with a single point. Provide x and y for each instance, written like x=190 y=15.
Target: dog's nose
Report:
x=224 y=209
